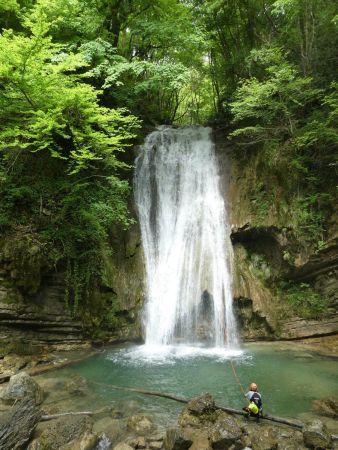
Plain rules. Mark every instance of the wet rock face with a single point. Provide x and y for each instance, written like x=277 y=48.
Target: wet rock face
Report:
x=22 y=387
x=261 y=312
x=177 y=439
x=33 y=315
x=316 y=435
x=265 y=439
x=225 y=433
x=269 y=230
x=202 y=426
x=204 y=404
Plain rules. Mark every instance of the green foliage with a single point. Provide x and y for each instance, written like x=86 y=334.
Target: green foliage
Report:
x=277 y=114
x=271 y=106
x=263 y=197
x=321 y=128
x=59 y=173
x=9 y=5
x=130 y=55
x=308 y=217
x=304 y=300
x=75 y=73
x=259 y=266
x=58 y=112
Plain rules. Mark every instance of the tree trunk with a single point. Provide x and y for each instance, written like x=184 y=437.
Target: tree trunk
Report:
x=291 y=423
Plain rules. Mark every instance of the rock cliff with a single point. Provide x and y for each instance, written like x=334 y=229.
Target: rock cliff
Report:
x=285 y=287
x=33 y=310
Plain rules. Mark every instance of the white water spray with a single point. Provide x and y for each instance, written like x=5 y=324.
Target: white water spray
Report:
x=185 y=234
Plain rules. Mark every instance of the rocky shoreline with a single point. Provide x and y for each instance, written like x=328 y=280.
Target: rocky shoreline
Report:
x=29 y=422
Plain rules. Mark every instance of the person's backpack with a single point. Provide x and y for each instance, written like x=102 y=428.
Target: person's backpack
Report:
x=256 y=398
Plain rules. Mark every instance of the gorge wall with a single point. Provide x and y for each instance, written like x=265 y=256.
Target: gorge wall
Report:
x=284 y=286
x=33 y=312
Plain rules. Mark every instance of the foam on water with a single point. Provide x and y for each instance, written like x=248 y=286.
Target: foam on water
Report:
x=170 y=354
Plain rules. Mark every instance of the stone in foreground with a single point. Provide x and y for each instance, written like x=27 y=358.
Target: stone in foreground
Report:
x=316 y=435
x=22 y=387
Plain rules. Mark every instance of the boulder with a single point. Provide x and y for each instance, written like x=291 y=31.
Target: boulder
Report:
x=186 y=419
x=198 y=410
x=290 y=440
x=206 y=426
x=62 y=431
x=225 y=432
x=86 y=442
x=264 y=438
x=22 y=387
x=140 y=424
x=77 y=385
x=327 y=406
x=316 y=435
x=176 y=439
x=205 y=404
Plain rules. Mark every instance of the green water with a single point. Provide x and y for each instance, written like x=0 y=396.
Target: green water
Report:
x=288 y=380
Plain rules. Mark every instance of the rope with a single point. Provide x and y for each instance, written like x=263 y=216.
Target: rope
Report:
x=237 y=378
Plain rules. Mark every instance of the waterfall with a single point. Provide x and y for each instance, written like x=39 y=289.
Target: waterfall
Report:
x=186 y=239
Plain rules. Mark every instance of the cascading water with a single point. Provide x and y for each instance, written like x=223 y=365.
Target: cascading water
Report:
x=185 y=234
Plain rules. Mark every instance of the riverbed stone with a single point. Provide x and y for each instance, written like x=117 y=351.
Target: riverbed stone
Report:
x=141 y=442
x=122 y=446
x=264 y=438
x=86 y=442
x=186 y=419
x=177 y=439
x=316 y=435
x=21 y=386
x=158 y=436
x=63 y=431
x=77 y=385
x=205 y=404
x=113 y=428
x=201 y=443
x=225 y=432
x=138 y=442
x=141 y=424
x=327 y=406
x=290 y=440
x=155 y=445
